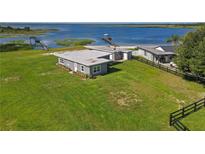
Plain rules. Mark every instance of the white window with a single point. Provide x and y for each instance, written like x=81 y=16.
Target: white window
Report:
x=61 y=60
x=82 y=68
x=96 y=69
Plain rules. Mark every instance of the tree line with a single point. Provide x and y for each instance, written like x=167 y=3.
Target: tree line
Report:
x=9 y=28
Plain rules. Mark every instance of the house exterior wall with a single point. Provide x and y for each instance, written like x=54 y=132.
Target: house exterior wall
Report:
x=127 y=55
x=144 y=54
x=149 y=56
x=103 y=69
x=71 y=65
x=118 y=56
x=153 y=57
x=66 y=63
x=138 y=52
x=87 y=69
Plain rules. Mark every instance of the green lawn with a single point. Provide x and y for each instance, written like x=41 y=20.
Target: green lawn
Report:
x=195 y=121
x=36 y=94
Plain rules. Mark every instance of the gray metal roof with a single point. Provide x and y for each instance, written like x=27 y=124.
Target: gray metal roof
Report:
x=109 y=49
x=168 y=48
x=85 y=57
x=153 y=50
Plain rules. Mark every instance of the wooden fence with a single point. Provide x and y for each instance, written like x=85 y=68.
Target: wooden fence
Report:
x=180 y=126
x=172 y=70
x=185 y=111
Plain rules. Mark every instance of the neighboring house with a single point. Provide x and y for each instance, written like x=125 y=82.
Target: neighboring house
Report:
x=118 y=53
x=90 y=62
x=159 y=54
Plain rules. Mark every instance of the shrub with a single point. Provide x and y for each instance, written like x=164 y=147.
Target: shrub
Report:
x=73 y=42
x=14 y=46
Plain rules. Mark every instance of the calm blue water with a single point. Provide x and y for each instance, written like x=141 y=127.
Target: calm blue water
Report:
x=121 y=35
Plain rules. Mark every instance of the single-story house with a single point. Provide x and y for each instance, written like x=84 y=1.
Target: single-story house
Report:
x=118 y=53
x=94 y=60
x=159 y=54
x=90 y=62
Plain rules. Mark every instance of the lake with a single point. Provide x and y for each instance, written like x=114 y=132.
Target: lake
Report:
x=122 y=35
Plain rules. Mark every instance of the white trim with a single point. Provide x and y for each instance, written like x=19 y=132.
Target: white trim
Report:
x=125 y=56
x=75 y=65
x=111 y=56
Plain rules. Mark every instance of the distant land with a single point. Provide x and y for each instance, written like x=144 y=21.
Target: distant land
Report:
x=163 y=25
x=6 y=31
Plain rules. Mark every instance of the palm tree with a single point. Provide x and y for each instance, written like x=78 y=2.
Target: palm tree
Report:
x=174 y=39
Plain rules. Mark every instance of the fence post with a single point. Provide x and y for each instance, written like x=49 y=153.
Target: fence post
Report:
x=183 y=112
x=204 y=101
x=170 y=119
x=195 y=107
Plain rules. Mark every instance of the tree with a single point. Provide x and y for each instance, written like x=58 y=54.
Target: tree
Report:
x=174 y=39
x=190 y=55
x=197 y=63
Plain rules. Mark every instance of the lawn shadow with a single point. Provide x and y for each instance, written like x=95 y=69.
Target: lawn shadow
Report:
x=115 y=63
x=194 y=79
x=109 y=71
x=113 y=70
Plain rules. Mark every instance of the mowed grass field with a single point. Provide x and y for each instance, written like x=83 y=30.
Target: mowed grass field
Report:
x=36 y=94
x=195 y=121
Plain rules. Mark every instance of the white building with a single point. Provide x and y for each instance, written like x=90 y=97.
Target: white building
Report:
x=159 y=54
x=118 y=53
x=92 y=61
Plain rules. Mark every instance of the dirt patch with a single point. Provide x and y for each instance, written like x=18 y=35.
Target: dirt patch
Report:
x=12 y=78
x=202 y=94
x=125 y=99
x=48 y=54
x=181 y=103
x=8 y=125
x=186 y=101
x=45 y=73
